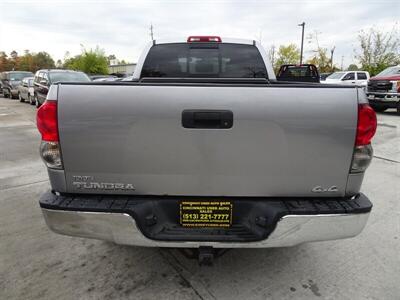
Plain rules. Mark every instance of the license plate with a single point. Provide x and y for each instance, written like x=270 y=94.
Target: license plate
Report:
x=205 y=213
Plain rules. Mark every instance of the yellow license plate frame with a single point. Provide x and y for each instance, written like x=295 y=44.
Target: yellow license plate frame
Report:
x=197 y=214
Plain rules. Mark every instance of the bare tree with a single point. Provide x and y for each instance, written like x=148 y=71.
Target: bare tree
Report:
x=378 y=49
x=320 y=57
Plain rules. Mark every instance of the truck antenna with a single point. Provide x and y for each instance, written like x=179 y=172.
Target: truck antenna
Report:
x=151 y=32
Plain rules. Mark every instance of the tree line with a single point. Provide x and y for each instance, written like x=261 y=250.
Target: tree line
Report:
x=377 y=50
x=92 y=61
x=27 y=62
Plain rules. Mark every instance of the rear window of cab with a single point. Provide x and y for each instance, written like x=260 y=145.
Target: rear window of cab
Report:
x=206 y=60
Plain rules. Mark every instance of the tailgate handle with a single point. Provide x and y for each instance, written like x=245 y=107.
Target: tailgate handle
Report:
x=209 y=119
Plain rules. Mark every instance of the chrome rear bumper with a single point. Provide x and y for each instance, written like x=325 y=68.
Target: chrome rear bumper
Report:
x=121 y=228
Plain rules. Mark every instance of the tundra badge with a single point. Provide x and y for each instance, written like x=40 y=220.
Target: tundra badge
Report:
x=87 y=183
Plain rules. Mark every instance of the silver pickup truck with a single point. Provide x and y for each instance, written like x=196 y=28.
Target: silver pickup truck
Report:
x=204 y=148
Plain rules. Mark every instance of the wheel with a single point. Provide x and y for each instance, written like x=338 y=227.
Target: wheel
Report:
x=20 y=98
x=7 y=94
x=379 y=108
x=37 y=102
x=31 y=102
x=398 y=108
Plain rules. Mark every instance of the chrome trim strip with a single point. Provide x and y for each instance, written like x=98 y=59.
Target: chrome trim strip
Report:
x=383 y=93
x=121 y=228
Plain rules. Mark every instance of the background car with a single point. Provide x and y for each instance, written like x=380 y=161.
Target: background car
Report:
x=25 y=90
x=349 y=77
x=10 y=82
x=323 y=76
x=44 y=78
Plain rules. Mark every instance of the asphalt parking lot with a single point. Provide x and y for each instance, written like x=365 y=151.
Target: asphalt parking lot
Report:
x=38 y=264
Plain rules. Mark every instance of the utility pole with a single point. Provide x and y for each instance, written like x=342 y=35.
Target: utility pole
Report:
x=341 y=67
x=272 y=55
x=302 y=41
x=151 y=32
x=332 y=50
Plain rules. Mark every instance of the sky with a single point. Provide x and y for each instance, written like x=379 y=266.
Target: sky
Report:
x=122 y=28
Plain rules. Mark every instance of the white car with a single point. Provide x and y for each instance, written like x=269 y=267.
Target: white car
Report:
x=349 y=77
x=25 y=90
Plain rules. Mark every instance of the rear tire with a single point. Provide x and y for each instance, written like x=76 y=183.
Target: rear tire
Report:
x=378 y=108
x=30 y=100
x=37 y=102
x=7 y=95
x=398 y=108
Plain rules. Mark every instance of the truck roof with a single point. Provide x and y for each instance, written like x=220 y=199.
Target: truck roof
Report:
x=223 y=40
x=58 y=70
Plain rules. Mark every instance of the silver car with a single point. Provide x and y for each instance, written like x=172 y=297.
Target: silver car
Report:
x=25 y=90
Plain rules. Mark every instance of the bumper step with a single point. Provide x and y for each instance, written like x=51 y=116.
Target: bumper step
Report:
x=157 y=218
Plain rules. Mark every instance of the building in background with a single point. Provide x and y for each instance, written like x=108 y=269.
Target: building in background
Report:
x=121 y=69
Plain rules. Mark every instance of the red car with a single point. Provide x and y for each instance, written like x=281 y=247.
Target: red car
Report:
x=383 y=90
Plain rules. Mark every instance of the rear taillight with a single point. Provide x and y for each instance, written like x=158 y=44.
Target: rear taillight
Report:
x=46 y=120
x=47 y=123
x=366 y=128
x=366 y=124
x=203 y=39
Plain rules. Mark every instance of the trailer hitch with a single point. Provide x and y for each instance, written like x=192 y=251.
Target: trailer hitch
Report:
x=205 y=255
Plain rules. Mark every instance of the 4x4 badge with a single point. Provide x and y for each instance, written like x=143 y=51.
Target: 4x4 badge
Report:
x=320 y=189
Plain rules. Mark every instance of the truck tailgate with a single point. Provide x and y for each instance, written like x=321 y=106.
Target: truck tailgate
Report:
x=129 y=139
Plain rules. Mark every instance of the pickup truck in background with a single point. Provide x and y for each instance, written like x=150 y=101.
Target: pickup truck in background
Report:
x=383 y=90
x=298 y=73
x=359 y=78
x=205 y=149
